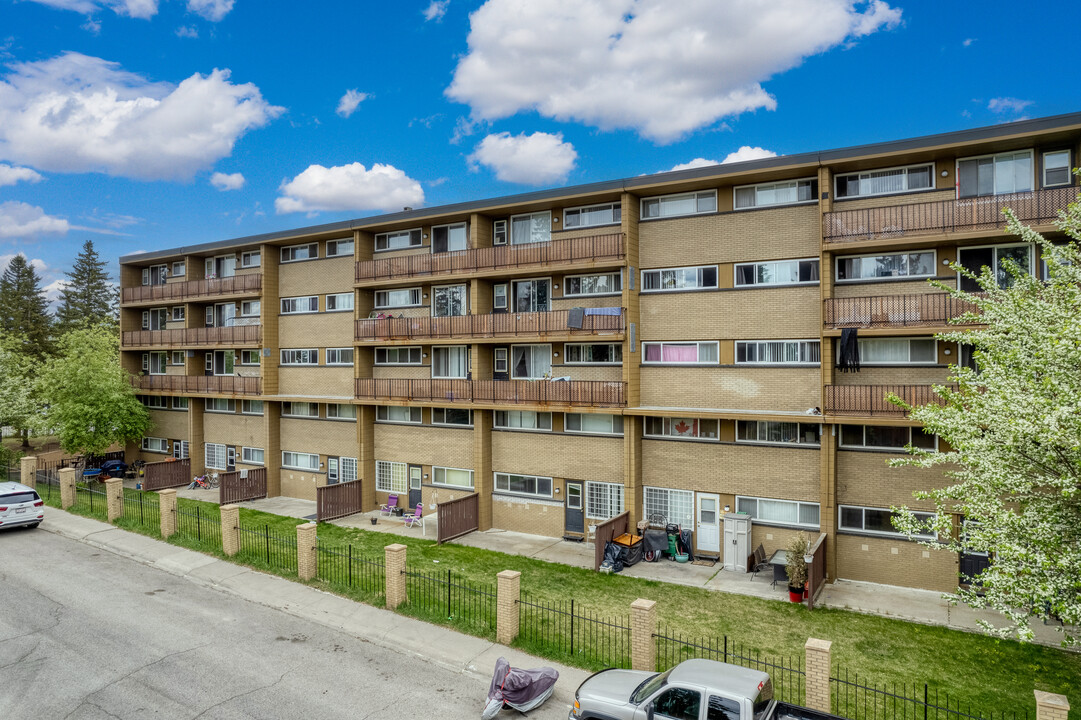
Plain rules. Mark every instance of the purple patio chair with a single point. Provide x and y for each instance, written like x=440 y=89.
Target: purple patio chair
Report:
x=415 y=519
x=388 y=509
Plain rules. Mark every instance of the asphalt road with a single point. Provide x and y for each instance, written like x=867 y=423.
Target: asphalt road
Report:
x=86 y=634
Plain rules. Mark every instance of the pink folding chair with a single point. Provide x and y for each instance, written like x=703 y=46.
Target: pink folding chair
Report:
x=415 y=519
x=388 y=509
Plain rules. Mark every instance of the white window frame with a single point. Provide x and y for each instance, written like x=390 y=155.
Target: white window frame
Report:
x=210 y=405
x=247 y=355
x=336 y=299
x=384 y=296
x=510 y=227
x=499 y=296
x=534 y=348
x=570 y=349
x=500 y=232
x=700 y=279
x=653 y=504
x=383 y=414
x=246 y=407
x=300 y=305
x=312 y=464
x=616 y=280
x=863 y=342
x=500 y=360
x=762 y=427
x=504 y=479
x=603 y=500
x=521 y=414
x=178 y=357
x=178 y=313
x=334 y=412
x=454 y=486
x=162 y=274
x=161 y=364
x=891 y=278
x=443 y=414
x=615 y=215
x=612 y=424
x=907 y=170
x=178 y=268
x=391 y=477
x=998 y=270
x=251 y=258
x=251 y=308
x=757 y=283
x=398 y=350
x=841 y=528
x=700 y=343
x=457 y=349
x=802 y=348
x=660 y=201
x=247 y=455
x=912 y=433
x=180 y=403
x=289 y=252
x=386 y=238
x=436 y=289
x=180 y=449
x=334 y=247
x=1032 y=167
x=155 y=402
x=212 y=453
x=449 y=227
x=292 y=359
x=159 y=314
x=289 y=410
x=336 y=354
x=1043 y=168
x=760 y=188
x=666 y=425
x=744 y=503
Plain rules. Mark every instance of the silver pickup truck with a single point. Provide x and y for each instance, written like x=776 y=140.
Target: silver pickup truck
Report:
x=692 y=690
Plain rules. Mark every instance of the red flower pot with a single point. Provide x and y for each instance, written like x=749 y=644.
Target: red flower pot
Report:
x=795 y=594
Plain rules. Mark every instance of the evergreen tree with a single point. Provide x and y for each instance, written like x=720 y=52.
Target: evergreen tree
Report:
x=24 y=311
x=87 y=298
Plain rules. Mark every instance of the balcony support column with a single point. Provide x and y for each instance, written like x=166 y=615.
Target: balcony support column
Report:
x=196 y=450
x=482 y=466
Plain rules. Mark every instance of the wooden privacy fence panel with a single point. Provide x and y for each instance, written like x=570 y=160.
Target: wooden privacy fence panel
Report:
x=816 y=570
x=588 y=393
x=606 y=531
x=166 y=474
x=871 y=399
x=228 y=384
x=237 y=488
x=228 y=335
x=915 y=310
x=337 y=500
x=458 y=517
x=236 y=285
x=494 y=325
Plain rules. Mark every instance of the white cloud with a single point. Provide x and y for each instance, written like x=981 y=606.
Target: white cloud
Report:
x=696 y=163
x=187 y=31
x=1007 y=105
x=967 y=42
x=436 y=10
x=534 y=159
x=10 y=175
x=76 y=113
x=212 y=10
x=746 y=152
x=349 y=187
x=22 y=220
x=142 y=9
x=661 y=68
x=349 y=102
x=222 y=181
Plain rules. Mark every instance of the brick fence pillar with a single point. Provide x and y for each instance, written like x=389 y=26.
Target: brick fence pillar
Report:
x=643 y=623
x=167 y=506
x=67 y=487
x=28 y=467
x=1051 y=707
x=307 y=552
x=395 y=573
x=817 y=667
x=114 y=498
x=508 y=592
x=230 y=529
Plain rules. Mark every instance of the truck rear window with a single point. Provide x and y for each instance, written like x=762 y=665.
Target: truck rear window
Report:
x=18 y=498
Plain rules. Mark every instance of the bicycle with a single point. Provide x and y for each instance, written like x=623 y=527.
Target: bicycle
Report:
x=201 y=482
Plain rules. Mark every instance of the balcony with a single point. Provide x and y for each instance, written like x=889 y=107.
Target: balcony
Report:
x=504 y=325
x=232 y=336
x=894 y=311
x=935 y=218
x=576 y=251
x=577 y=393
x=238 y=285
x=200 y=384
x=870 y=400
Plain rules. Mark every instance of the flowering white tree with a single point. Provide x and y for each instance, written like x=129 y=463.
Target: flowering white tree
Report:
x=1013 y=429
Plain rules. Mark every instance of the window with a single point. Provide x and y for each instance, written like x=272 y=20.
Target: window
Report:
x=533 y=228
x=251 y=407
x=178 y=313
x=593 y=423
x=220 y=405
x=676 y=505
x=309 y=356
x=214 y=456
x=532 y=295
x=339 y=248
x=155 y=274
x=295 y=253
x=406 y=297
x=155 y=318
x=670 y=353
x=348 y=469
x=875 y=267
x=450 y=361
x=687 y=278
x=603 y=500
x=720 y=708
x=180 y=403
x=897 y=351
x=180 y=449
x=399 y=240
x=682 y=428
x=300 y=409
x=995 y=174
x=294 y=305
x=591 y=216
x=390 y=476
x=250 y=308
x=787 y=433
x=300 y=461
x=250 y=259
x=522 y=420
x=778 y=352
x=449 y=238
x=779 y=512
x=694 y=203
x=155 y=402
x=885 y=182
x=499 y=296
x=251 y=456
x=975 y=259
x=499 y=360
x=341 y=411
x=452 y=477
x=499 y=232
x=788 y=192
x=154 y=444
x=396 y=414
x=249 y=357
x=531 y=362
x=340 y=356
x=777 y=272
x=1056 y=168
x=397 y=356
x=452 y=416
x=222 y=266
x=448 y=301
x=585 y=285
x=155 y=363
x=340 y=302
x=875 y=521
x=593 y=354
x=178 y=269
x=178 y=357
x=523 y=485
x=880 y=437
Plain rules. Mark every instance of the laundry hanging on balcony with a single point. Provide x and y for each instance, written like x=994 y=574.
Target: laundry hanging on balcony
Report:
x=575 y=317
x=849 y=357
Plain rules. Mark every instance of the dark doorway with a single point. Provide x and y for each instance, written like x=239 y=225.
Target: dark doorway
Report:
x=415 y=474
x=574 y=511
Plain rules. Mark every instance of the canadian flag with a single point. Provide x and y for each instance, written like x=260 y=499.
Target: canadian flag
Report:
x=683 y=428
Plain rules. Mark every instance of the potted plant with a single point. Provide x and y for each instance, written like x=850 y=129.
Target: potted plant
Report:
x=796 y=566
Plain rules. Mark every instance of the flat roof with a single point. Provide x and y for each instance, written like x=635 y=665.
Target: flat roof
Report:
x=925 y=142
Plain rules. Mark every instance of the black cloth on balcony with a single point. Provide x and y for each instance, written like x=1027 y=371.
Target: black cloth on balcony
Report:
x=575 y=317
x=849 y=359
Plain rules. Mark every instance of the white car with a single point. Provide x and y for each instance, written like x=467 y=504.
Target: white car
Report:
x=20 y=506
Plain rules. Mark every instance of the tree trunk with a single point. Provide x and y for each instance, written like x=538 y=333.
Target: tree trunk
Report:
x=26 y=438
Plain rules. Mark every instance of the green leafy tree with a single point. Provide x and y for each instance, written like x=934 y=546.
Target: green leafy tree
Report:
x=88 y=297
x=1014 y=432
x=19 y=404
x=89 y=397
x=24 y=311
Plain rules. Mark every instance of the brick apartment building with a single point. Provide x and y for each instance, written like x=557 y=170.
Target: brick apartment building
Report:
x=658 y=344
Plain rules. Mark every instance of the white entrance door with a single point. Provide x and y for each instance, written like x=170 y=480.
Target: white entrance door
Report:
x=709 y=524
x=737 y=541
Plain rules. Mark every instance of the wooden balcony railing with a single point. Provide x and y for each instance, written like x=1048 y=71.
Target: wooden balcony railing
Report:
x=208 y=384
x=870 y=400
x=583 y=249
x=586 y=393
x=234 y=335
x=479 y=326
x=980 y=213
x=192 y=289
x=887 y=311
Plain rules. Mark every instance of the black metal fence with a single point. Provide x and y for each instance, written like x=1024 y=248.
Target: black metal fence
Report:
x=90 y=499
x=563 y=631
x=201 y=527
x=262 y=547
x=48 y=486
x=445 y=599
x=13 y=474
x=352 y=573
x=858 y=700
x=141 y=509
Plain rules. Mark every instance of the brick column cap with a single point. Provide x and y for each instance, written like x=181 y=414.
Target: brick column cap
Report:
x=70 y=471
x=112 y=481
x=643 y=604
x=26 y=459
x=1052 y=699
x=170 y=492
x=229 y=507
x=396 y=547
x=310 y=526
x=507 y=574
x=816 y=644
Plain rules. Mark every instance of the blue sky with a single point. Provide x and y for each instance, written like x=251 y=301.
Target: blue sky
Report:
x=153 y=123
